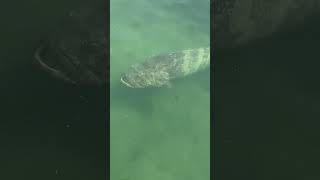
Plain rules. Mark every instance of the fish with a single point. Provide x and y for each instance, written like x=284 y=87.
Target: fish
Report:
x=77 y=50
x=159 y=70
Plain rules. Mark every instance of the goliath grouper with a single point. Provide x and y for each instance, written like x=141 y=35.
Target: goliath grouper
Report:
x=77 y=51
x=235 y=23
x=158 y=70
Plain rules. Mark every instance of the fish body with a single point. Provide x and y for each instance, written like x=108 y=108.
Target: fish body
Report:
x=160 y=69
x=77 y=51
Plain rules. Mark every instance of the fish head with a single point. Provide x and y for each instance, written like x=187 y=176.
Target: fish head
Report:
x=140 y=77
x=134 y=77
x=77 y=51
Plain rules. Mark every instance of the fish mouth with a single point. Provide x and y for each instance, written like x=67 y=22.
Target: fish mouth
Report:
x=41 y=62
x=123 y=80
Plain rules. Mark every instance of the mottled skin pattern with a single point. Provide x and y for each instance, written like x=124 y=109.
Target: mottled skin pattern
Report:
x=236 y=22
x=158 y=70
x=77 y=51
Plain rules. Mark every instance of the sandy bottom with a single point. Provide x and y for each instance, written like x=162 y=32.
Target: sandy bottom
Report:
x=159 y=134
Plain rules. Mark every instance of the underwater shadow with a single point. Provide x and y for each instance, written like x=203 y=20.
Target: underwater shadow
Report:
x=137 y=99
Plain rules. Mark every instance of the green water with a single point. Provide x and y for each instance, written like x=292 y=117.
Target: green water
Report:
x=159 y=134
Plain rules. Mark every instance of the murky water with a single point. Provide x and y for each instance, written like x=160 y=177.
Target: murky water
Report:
x=266 y=108
x=47 y=130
